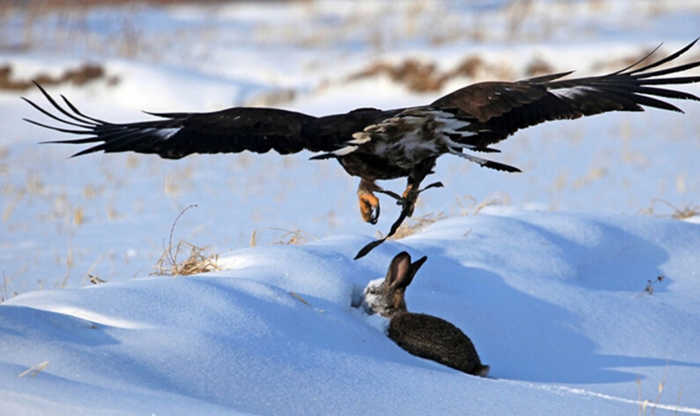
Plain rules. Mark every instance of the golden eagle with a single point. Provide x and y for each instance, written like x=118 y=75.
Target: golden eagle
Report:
x=376 y=144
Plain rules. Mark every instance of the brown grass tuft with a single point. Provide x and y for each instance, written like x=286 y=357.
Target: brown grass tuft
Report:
x=415 y=75
x=292 y=237
x=95 y=280
x=538 y=66
x=683 y=213
x=422 y=77
x=196 y=262
x=80 y=76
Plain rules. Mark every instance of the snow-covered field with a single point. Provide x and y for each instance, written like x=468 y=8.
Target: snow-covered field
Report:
x=555 y=303
x=551 y=285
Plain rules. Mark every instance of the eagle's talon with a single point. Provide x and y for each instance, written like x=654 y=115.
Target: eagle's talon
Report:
x=369 y=208
x=369 y=203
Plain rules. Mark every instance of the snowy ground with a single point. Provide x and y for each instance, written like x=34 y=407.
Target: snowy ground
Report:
x=555 y=303
x=557 y=281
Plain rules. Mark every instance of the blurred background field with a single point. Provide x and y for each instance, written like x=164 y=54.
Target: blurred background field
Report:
x=109 y=216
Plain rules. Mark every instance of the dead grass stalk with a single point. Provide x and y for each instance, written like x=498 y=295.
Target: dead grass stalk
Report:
x=196 y=262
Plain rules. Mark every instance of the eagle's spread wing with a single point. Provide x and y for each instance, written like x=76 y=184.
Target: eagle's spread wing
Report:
x=228 y=131
x=498 y=109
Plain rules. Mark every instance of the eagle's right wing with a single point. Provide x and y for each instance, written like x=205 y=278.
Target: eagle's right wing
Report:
x=227 y=131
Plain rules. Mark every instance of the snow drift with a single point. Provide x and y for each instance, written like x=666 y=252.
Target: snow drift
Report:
x=555 y=303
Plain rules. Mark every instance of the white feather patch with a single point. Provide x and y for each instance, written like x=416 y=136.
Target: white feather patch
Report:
x=345 y=150
x=573 y=92
x=166 y=133
x=360 y=137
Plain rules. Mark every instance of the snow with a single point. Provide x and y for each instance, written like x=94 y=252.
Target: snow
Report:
x=577 y=287
x=555 y=303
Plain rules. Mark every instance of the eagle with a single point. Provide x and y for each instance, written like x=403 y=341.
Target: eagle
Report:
x=375 y=144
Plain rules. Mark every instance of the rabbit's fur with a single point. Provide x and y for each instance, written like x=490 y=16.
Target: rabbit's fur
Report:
x=422 y=335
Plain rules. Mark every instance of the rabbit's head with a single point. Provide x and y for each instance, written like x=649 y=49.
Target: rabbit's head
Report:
x=386 y=297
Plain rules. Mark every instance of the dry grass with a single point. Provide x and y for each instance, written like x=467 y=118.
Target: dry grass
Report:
x=292 y=237
x=421 y=77
x=95 y=280
x=34 y=370
x=5 y=291
x=468 y=205
x=538 y=66
x=79 y=76
x=417 y=224
x=415 y=75
x=196 y=262
x=50 y=5
x=683 y=213
x=272 y=98
x=298 y=297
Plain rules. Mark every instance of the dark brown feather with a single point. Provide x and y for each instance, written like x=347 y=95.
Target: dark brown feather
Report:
x=501 y=108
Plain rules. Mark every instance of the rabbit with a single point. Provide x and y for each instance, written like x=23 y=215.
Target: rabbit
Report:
x=422 y=335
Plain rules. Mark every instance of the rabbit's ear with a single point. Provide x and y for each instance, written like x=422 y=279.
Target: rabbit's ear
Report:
x=413 y=269
x=416 y=264
x=399 y=271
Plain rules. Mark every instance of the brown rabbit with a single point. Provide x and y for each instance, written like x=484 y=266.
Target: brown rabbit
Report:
x=422 y=335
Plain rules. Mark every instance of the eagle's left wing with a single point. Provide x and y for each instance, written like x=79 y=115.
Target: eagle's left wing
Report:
x=498 y=109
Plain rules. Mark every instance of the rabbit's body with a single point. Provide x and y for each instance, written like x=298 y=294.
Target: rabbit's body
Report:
x=436 y=339
x=422 y=335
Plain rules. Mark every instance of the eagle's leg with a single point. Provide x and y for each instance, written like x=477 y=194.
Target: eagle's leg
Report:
x=410 y=197
x=369 y=203
x=410 y=194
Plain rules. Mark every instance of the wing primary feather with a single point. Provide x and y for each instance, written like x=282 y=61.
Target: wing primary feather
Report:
x=75 y=141
x=95 y=121
x=653 y=102
x=167 y=115
x=664 y=60
x=663 y=81
x=644 y=58
x=36 y=106
x=671 y=70
x=89 y=150
x=547 y=78
x=58 y=128
x=58 y=107
x=663 y=92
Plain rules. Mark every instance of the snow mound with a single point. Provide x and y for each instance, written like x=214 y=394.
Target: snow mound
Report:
x=578 y=313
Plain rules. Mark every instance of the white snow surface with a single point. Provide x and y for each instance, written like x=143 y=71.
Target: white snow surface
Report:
x=109 y=215
x=558 y=286
x=555 y=303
